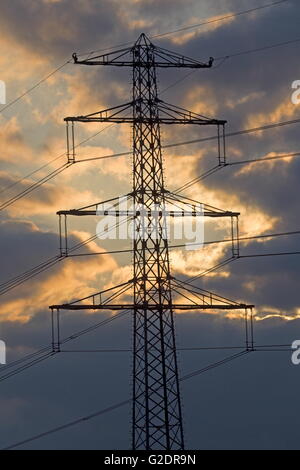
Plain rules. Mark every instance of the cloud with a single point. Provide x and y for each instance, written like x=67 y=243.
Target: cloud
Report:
x=48 y=199
x=69 y=279
x=282 y=112
x=12 y=142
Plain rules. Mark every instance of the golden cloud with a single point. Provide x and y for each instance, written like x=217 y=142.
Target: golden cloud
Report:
x=74 y=279
x=12 y=142
x=283 y=111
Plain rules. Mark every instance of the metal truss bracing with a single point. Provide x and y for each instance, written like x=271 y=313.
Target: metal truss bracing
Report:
x=156 y=405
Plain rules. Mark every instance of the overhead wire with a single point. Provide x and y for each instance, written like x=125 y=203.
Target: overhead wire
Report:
x=211 y=138
x=120 y=404
x=219 y=19
x=128 y=401
x=29 y=274
x=285 y=347
x=171 y=32
x=189 y=27
x=44 y=79
x=21 y=278
x=216 y=168
x=47 y=177
x=47 y=352
x=177 y=144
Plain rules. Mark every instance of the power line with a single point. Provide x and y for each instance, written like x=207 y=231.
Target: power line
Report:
x=48 y=352
x=215 y=20
x=199 y=178
x=246 y=131
x=29 y=274
x=25 y=358
x=189 y=349
x=260 y=49
x=34 y=86
x=271 y=254
x=213 y=268
x=167 y=146
x=223 y=59
x=70 y=424
x=263 y=159
x=48 y=349
x=48 y=177
x=241 y=239
x=126 y=402
x=35 y=361
x=52 y=73
x=189 y=27
x=211 y=138
x=214 y=365
x=235 y=258
x=74 y=336
x=55 y=259
x=90 y=159
x=31 y=173
x=216 y=168
x=120 y=404
x=234 y=134
x=170 y=86
x=34 y=186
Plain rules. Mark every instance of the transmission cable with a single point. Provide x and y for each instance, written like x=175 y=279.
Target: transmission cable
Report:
x=122 y=403
x=216 y=168
x=188 y=27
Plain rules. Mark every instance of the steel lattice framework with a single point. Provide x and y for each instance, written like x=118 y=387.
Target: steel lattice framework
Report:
x=156 y=412
x=157 y=417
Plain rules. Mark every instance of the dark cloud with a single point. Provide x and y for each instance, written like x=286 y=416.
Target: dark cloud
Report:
x=23 y=246
x=247 y=403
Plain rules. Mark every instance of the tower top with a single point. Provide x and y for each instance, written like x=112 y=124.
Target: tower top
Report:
x=143 y=40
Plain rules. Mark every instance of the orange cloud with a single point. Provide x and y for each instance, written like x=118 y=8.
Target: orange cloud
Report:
x=22 y=65
x=47 y=199
x=266 y=312
x=12 y=143
x=270 y=164
x=201 y=100
x=283 y=111
x=192 y=263
x=212 y=24
x=74 y=279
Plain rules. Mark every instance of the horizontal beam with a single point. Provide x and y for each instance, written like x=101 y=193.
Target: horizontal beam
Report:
x=129 y=63
x=160 y=120
x=150 y=307
x=77 y=212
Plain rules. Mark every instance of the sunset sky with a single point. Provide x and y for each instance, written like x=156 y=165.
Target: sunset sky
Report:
x=252 y=402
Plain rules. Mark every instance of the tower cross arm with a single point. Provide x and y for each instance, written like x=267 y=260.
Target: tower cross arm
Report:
x=172 y=114
x=132 y=57
x=115 y=114
x=168 y=114
x=151 y=307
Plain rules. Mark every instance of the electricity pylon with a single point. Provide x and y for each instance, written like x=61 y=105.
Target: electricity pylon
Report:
x=156 y=405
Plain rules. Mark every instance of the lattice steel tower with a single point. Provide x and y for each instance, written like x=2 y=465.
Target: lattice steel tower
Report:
x=156 y=411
